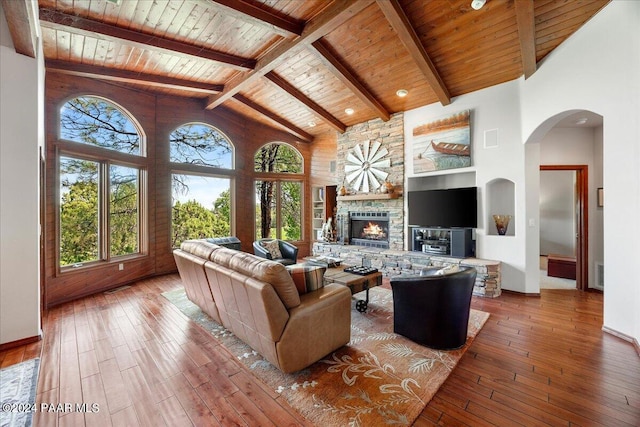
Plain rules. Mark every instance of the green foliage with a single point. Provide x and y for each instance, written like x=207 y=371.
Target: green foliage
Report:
x=291 y=208
x=79 y=223
x=123 y=212
x=222 y=205
x=279 y=158
x=80 y=206
x=191 y=220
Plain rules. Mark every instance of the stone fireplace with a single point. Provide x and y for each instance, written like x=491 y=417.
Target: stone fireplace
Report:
x=370 y=204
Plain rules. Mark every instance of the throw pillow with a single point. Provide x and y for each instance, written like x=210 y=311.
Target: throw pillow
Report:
x=448 y=270
x=273 y=247
x=307 y=278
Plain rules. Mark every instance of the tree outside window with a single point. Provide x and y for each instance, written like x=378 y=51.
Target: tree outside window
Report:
x=278 y=198
x=94 y=228
x=202 y=158
x=95 y=121
x=79 y=211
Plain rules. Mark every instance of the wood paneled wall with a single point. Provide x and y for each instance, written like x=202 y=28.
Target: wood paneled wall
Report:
x=158 y=117
x=324 y=151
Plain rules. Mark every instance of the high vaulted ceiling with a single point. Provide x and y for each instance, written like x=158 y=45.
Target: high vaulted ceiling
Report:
x=291 y=63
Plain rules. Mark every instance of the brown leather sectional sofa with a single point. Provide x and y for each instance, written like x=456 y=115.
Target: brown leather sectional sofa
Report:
x=257 y=300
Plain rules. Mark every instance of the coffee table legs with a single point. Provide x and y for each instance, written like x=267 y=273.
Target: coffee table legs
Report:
x=361 y=305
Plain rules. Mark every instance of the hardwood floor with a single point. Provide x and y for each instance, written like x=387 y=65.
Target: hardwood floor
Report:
x=537 y=361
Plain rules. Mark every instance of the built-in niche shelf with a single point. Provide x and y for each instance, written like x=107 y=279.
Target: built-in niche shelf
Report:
x=368 y=196
x=501 y=201
x=324 y=204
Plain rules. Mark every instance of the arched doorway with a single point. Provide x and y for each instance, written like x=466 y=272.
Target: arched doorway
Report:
x=573 y=140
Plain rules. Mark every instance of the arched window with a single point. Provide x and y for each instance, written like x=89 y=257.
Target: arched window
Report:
x=278 y=158
x=200 y=144
x=202 y=159
x=279 y=192
x=96 y=121
x=100 y=171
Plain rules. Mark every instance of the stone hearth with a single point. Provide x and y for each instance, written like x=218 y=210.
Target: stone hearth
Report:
x=393 y=262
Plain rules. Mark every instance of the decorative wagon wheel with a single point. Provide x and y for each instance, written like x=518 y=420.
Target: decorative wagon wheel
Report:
x=362 y=166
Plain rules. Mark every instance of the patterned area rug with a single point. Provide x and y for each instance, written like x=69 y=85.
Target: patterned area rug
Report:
x=379 y=378
x=18 y=392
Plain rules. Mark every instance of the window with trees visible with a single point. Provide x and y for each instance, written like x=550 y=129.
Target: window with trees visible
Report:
x=279 y=192
x=100 y=170
x=201 y=161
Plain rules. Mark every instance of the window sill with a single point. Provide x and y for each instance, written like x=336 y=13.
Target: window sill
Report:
x=96 y=265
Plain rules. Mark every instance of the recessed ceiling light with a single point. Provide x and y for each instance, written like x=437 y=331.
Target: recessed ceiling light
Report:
x=312 y=124
x=402 y=93
x=581 y=121
x=349 y=111
x=477 y=4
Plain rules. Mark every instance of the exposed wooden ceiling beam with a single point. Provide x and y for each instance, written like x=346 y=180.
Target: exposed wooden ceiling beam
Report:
x=405 y=31
x=259 y=16
x=321 y=112
x=125 y=76
x=304 y=136
x=58 y=20
x=349 y=79
x=326 y=21
x=525 y=18
x=20 y=25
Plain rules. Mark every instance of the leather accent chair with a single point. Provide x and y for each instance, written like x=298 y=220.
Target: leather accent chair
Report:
x=289 y=252
x=433 y=310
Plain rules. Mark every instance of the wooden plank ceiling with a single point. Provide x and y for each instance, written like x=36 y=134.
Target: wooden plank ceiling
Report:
x=291 y=64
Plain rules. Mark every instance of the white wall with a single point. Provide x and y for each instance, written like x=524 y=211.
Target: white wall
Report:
x=598 y=69
x=21 y=91
x=498 y=108
x=596 y=217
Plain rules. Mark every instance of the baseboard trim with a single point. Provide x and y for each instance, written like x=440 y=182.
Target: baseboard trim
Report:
x=622 y=336
x=526 y=294
x=18 y=343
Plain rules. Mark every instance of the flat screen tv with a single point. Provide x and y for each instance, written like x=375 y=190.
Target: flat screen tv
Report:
x=451 y=208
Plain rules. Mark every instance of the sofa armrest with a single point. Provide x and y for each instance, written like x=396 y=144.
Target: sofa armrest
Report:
x=318 y=326
x=288 y=250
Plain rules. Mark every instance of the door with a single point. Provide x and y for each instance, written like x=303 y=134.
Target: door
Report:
x=582 y=220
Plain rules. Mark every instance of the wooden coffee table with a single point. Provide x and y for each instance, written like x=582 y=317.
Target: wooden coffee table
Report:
x=355 y=282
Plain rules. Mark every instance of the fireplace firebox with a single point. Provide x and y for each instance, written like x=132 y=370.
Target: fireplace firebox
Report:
x=369 y=229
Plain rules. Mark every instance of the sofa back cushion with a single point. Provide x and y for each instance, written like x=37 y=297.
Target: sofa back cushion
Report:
x=260 y=269
x=200 y=248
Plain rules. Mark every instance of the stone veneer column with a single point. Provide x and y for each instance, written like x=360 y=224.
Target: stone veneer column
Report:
x=391 y=135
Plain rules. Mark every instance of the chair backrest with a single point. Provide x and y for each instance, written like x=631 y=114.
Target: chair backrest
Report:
x=433 y=309
x=288 y=250
x=454 y=287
